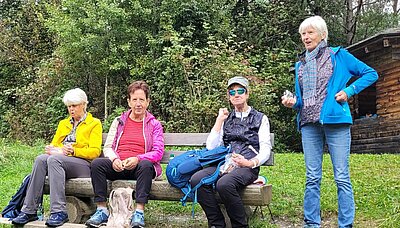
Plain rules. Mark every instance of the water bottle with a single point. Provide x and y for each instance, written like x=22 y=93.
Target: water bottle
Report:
x=171 y=156
x=40 y=212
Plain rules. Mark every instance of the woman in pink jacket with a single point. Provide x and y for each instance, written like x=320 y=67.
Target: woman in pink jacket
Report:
x=133 y=150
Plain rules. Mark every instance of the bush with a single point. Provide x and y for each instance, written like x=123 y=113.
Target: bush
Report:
x=39 y=105
x=185 y=50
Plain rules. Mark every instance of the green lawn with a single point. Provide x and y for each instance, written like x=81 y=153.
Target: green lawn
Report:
x=375 y=178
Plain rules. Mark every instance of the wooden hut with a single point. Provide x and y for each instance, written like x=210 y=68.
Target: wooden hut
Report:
x=376 y=110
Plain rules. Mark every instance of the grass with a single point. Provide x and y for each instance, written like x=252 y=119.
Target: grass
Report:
x=375 y=178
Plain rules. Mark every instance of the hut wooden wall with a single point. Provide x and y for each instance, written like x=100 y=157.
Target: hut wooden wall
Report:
x=388 y=85
x=380 y=134
x=384 y=56
x=375 y=135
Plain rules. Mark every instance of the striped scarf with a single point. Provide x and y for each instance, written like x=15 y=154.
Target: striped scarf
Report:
x=310 y=74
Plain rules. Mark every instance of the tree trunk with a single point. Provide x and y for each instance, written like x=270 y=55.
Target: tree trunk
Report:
x=105 y=99
x=351 y=20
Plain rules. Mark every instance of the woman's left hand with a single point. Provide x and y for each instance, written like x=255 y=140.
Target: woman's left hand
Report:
x=241 y=161
x=341 y=96
x=68 y=150
x=130 y=163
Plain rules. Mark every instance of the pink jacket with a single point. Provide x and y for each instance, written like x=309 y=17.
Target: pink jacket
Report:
x=153 y=136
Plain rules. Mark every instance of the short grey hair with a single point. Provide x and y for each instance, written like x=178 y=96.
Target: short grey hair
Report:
x=317 y=23
x=74 y=97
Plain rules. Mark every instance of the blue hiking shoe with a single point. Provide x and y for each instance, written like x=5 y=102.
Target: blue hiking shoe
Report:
x=24 y=218
x=137 y=220
x=57 y=219
x=98 y=219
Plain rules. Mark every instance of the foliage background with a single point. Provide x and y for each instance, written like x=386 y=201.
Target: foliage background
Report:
x=185 y=49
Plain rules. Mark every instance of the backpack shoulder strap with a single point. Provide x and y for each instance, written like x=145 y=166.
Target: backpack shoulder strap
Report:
x=204 y=181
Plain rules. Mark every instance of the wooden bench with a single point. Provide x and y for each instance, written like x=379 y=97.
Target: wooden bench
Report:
x=80 y=194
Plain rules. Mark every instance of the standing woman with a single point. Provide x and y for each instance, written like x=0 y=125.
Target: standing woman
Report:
x=324 y=115
x=77 y=141
x=246 y=130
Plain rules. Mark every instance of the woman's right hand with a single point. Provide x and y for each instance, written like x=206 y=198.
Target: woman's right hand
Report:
x=117 y=165
x=223 y=114
x=52 y=150
x=288 y=102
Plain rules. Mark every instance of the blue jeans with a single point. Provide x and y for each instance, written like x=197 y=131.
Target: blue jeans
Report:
x=338 y=139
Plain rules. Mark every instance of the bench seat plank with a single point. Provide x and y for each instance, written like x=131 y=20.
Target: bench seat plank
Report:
x=255 y=195
x=185 y=139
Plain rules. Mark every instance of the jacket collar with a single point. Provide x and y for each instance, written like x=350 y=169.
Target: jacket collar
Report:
x=147 y=118
x=334 y=50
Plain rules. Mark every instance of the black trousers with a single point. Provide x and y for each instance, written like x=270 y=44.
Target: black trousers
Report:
x=102 y=170
x=228 y=187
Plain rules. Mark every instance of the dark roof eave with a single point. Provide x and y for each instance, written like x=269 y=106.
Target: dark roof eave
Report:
x=381 y=35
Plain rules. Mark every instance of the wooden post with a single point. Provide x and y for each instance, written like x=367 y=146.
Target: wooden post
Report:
x=80 y=209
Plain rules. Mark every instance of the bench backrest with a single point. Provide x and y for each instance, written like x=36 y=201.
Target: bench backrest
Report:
x=191 y=139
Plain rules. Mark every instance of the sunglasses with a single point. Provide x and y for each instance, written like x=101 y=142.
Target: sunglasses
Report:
x=240 y=91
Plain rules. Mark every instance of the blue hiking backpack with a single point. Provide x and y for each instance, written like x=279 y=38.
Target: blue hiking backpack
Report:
x=13 y=208
x=181 y=168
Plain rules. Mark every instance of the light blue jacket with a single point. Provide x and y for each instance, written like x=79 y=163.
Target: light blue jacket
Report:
x=345 y=67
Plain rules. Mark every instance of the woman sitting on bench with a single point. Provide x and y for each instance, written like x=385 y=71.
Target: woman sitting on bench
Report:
x=77 y=141
x=133 y=151
x=246 y=130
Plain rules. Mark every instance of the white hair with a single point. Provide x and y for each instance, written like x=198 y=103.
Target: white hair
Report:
x=317 y=23
x=74 y=97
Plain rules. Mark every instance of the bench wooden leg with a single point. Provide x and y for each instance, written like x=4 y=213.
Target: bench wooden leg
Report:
x=262 y=213
x=80 y=209
x=270 y=213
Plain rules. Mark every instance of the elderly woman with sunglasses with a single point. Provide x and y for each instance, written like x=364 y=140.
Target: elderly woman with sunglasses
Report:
x=322 y=91
x=246 y=130
x=76 y=143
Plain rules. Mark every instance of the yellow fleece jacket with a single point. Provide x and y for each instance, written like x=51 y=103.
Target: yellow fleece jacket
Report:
x=88 y=137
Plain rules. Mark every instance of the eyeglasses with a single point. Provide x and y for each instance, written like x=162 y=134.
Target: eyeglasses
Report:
x=240 y=91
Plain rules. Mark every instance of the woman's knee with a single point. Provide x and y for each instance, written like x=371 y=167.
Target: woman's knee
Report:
x=145 y=164
x=224 y=185
x=42 y=158
x=145 y=167
x=96 y=163
x=342 y=178
x=196 y=178
x=55 y=160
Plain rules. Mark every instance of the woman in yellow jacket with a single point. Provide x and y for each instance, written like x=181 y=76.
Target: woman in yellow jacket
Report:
x=77 y=141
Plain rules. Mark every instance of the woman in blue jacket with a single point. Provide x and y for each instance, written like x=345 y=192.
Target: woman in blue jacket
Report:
x=321 y=96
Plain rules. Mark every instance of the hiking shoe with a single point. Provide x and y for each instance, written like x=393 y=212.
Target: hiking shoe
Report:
x=137 y=220
x=57 y=219
x=97 y=219
x=24 y=218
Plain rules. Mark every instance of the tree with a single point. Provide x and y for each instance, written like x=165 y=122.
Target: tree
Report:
x=354 y=20
x=24 y=43
x=185 y=50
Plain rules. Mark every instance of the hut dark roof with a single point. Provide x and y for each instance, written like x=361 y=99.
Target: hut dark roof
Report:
x=389 y=37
